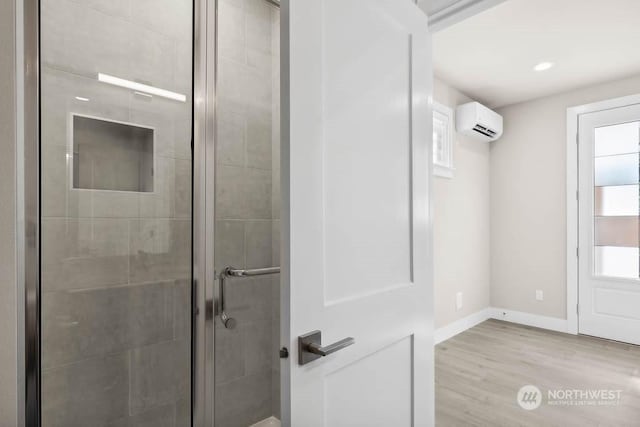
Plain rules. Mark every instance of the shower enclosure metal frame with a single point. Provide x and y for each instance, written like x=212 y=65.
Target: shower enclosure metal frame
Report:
x=28 y=200
x=28 y=236
x=203 y=144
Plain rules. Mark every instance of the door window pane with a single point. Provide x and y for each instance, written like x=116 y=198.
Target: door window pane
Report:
x=616 y=222
x=614 y=261
x=617 y=139
x=616 y=231
x=620 y=169
x=620 y=200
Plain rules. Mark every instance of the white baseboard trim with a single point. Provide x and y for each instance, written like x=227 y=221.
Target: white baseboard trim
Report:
x=528 y=319
x=519 y=317
x=460 y=325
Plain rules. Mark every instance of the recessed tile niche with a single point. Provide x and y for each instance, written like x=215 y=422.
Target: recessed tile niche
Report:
x=111 y=155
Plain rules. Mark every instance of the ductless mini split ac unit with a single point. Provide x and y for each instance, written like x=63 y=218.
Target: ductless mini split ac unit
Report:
x=477 y=121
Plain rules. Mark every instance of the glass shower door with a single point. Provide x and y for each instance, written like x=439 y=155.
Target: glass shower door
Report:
x=116 y=212
x=247 y=212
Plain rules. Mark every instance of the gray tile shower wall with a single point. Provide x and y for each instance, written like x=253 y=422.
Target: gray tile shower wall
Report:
x=247 y=210
x=116 y=264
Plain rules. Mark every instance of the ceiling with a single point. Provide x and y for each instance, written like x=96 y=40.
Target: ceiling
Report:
x=434 y=6
x=490 y=56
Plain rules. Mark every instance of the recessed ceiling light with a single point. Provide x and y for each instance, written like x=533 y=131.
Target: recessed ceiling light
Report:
x=543 y=66
x=82 y=98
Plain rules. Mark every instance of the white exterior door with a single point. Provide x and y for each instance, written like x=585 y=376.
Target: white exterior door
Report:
x=356 y=221
x=609 y=285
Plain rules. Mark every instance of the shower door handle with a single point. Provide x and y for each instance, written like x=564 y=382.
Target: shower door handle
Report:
x=310 y=347
x=228 y=272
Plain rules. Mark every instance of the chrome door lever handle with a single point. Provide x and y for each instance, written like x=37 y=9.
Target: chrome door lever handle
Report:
x=310 y=347
x=331 y=348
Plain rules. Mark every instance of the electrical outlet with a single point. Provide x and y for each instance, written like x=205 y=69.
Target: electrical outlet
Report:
x=458 y=300
x=539 y=295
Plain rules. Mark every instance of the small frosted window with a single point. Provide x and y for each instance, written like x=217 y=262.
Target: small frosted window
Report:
x=112 y=156
x=442 y=140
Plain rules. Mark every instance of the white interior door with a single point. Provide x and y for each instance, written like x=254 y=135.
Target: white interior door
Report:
x=609 y=285
x=356 y=221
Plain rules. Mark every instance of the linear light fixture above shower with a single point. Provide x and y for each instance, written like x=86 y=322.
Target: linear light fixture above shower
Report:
x=151 y=90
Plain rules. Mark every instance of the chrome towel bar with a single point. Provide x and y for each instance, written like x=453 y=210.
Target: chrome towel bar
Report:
x=230 y=322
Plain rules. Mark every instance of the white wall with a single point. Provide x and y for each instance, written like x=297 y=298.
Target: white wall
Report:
x=461 y=224
x=528 y=203
x=8 y=325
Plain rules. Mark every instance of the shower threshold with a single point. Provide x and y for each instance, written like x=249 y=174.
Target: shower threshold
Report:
x=268 y=422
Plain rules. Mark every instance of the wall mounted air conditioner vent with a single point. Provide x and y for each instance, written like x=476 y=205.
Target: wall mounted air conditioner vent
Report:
x=475 y=120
